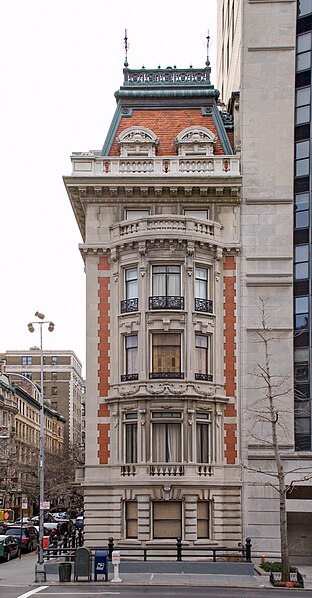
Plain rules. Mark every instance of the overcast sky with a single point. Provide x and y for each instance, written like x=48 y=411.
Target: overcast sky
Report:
x=61 y=63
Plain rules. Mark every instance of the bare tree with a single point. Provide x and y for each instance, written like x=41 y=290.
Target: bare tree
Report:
x=272 y=424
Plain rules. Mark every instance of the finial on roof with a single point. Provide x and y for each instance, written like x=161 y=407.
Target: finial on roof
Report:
x=126 y=64
x=208 y=40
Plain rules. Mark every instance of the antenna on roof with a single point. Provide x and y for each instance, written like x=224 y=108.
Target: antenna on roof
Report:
x=208 y=40
x=126 y=49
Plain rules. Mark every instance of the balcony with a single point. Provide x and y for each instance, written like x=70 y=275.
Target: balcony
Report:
x=163 y=302
x=166 y=226
x=129 y=305
x=129 y=377
x=92 y=164
x=203 y=305
x=166 y=375
x=204 y=377
x=166 y=469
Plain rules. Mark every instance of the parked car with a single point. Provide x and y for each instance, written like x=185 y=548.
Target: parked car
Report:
x=26 y=535
x=9 y=547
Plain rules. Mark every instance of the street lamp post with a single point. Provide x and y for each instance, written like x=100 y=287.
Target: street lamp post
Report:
x=40 y=575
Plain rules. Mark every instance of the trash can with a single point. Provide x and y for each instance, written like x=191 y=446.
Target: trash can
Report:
x=100 y=564
x=65 y=570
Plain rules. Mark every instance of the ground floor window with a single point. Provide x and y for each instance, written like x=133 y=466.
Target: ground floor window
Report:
x=203 y=519
x=131 y=516
x=167 y=519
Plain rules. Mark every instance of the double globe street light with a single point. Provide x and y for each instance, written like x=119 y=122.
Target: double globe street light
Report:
x=40 y=574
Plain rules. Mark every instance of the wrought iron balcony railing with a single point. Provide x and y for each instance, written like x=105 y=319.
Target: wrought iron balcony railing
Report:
x=166 y=302
x=129 y=377
x=128 y=305
x=205 y=377
x=204 y=305
x=159 y=375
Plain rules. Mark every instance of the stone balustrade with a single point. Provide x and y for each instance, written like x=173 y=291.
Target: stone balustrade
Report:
x=91 y=164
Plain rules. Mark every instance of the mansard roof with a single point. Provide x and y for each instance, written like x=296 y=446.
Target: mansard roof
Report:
x=166 y=102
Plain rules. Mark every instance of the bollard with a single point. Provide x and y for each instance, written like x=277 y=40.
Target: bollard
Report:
x=110 y=547
x=116 y=563
x=248 y=550
x=179 y=549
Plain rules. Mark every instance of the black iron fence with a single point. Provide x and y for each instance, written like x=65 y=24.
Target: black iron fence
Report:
x=176 y=552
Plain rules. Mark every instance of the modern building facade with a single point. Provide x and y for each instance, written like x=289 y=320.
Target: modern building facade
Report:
x=63 y=384
x=159 y=213
x=273 y=118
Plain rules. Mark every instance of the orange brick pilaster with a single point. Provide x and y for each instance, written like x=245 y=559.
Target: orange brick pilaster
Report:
x=230 y=414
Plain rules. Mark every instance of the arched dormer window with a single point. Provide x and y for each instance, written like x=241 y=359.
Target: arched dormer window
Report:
x=138 y=141
x=195 y=141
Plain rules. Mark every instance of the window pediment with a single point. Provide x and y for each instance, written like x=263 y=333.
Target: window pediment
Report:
x=195 y=141
x=138 y=141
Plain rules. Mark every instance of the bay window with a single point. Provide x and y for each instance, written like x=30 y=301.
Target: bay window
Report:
x=166 y=437
x=131 y=301
x=166 y=288
x=166 y=355
x=131 y=356
x=203 y=357
x=130 y=438
x=203 y=438
x=203 y=301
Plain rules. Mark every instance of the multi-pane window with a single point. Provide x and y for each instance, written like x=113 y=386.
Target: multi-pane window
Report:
x=301 y=358
x=131 y=357
x=203 y=357
x=54 y=391
x=166 y=355
x=302 y=203
x=201 y=214
x=54 y=359
x=53 y=375
x=304 y=7
x=202 y=290
x=27 y=360
x=301 y=313
x=131 y=517
x=302 y=158
x=303 y=102
x=131 y=302
x=166 y=288
x=130 y=438
x=202 y=519
x=166 y=437
x=167 y=519
x=27 y=375
x=301 y=259
x=304 y=52
x=135 y=214
x=203 y=438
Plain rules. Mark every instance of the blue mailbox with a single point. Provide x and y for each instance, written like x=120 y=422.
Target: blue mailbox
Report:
x=101 y=564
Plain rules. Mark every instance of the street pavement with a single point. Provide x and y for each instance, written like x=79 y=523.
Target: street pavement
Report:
x=20 y=572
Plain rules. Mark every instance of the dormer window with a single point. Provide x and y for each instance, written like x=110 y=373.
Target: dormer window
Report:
x=195 y=141
x=138 y=142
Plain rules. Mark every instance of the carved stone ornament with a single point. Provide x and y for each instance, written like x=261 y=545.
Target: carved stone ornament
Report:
x=166 y=389
x=195 y=141
x=125 y=391
x=203 y=392
x=138 y=141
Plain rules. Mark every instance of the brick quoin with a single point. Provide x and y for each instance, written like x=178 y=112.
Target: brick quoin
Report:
x=104 y=359
x=229 y=356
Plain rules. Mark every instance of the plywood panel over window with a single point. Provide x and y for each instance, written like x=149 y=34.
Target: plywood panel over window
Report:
x=167 y=519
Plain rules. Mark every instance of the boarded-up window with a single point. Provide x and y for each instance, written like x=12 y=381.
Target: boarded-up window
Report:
x=131 y=519
x=167 y=519
x=166 y=353
x=203 y=519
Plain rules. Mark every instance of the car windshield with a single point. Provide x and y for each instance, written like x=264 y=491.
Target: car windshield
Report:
x=15 y=531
